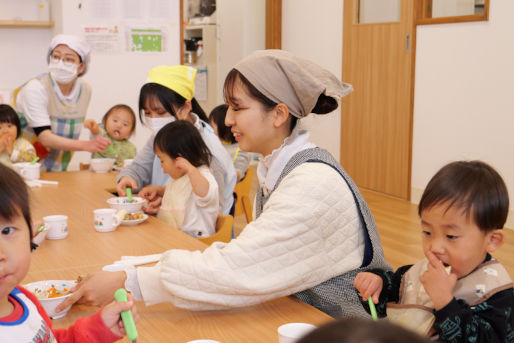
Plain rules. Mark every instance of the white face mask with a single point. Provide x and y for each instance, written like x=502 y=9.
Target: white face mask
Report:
x=61 y=72
x=158 y=123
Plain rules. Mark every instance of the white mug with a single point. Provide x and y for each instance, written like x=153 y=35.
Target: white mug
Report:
x=57 y=226
x=106 y=219
x=292 y=332
x=27 y=170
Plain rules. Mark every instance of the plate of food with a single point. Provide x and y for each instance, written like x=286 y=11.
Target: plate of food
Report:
x=132 y=219
x=51 y=293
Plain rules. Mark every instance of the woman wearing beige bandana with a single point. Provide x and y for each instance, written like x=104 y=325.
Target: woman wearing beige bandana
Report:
x=313 y=230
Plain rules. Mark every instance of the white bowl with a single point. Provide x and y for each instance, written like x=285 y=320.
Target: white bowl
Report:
x=102 y=165
x=121 y=203
x=49 y=304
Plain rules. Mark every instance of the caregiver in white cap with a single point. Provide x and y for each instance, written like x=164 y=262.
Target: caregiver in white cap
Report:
x=52 y=106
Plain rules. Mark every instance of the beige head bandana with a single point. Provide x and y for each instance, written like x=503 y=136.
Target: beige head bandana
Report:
x=285 y=78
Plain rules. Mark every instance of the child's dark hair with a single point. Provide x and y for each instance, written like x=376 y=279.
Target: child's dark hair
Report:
x=121 y=107
x=217 y=116
x=325 y=104
x=167 y=97
x=14 y=197
x=356 y=330
x=181 y=139
x=473 y=186
x=9 y=115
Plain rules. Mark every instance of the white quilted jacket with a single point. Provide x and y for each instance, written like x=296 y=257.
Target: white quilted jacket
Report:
x=309 y=231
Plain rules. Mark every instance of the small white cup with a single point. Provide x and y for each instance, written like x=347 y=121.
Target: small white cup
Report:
x=27 y=170
x=57 y=226
x=106 y=219
x=292 y=332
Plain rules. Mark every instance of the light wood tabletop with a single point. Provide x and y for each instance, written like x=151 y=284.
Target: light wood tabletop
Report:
x=85 y=251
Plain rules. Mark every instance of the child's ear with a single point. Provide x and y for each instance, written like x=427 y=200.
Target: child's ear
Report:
x=495 y=240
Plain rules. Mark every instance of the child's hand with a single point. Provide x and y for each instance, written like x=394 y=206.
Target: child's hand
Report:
x=368 y=285
x=437 y=282
x=111 y=315
x=6 y=144
x=92 y=126
x=183 y=164
x=154 y=196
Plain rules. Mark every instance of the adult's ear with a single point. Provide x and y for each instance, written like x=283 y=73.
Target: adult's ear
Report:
x=81 y=68
x=281 y=115
x=183 y=112
x=495 y=240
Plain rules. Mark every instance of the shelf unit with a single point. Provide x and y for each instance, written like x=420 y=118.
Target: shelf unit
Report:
x=205 y=63
x=28 y=24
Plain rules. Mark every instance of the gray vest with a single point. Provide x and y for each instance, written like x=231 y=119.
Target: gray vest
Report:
x=337 y=296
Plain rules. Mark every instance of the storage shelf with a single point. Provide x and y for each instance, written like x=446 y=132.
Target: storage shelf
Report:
x=26 y=24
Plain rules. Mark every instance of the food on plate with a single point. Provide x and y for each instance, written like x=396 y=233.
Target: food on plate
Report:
x=51 y=292
x=134 y=216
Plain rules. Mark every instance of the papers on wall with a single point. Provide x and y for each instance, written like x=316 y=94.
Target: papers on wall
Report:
x=132 y=9
x=201 y=85
x=103 y=38
x=146 y=39
x=161 y=9
x=101 y=10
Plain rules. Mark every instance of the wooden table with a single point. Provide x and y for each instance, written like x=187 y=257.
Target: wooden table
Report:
x=85 y=251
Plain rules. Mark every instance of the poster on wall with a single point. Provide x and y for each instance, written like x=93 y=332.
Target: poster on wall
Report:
x=103 y=38
x=143 y=39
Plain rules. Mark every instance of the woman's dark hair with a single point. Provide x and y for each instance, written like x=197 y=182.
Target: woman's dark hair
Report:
x=121 y=107
x=228 y=93
x=14 y=197
x=167 y=98
x=356 y=330
x=181 y=139
x=217 y=116
x=473 y=186
x=9 y=115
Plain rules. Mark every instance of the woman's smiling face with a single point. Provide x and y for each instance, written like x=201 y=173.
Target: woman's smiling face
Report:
x=251 y=125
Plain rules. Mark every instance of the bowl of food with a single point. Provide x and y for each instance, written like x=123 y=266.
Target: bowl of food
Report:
x=122 y=203
x=51 y=293
x=102 y=165
x=131 y=219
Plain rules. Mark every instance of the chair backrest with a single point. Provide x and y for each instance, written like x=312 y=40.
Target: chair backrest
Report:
x=223 y=230
x=242 y=190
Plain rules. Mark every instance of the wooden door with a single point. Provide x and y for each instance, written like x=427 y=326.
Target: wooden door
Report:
x=376 y=125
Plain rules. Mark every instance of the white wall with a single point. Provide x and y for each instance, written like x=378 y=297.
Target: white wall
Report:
x=463 y=104
x=314 y=30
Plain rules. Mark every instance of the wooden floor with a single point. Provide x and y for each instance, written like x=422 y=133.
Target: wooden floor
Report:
x=400 y=231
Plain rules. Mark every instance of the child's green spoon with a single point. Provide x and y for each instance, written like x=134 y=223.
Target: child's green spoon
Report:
x=34 y=160
x=372 y=309
x=129 y=194
x=126 y=316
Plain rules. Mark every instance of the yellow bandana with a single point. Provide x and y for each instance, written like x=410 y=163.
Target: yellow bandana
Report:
x=180 y=79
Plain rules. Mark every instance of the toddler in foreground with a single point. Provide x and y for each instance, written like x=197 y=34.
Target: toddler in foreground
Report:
x=118 y=124
x=459 y=292
x=22 y=318
x=190 y=199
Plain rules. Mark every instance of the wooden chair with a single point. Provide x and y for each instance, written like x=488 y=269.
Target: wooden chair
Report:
x=242 y=191
x=223 y=230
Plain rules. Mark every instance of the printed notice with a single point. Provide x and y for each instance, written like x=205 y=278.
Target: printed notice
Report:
x=103 y=38
x=201 y=85
x=145 y=39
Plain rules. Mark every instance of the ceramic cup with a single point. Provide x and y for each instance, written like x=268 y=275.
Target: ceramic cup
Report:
x=27 y=170
x=292 y=332
x=57 y=226
x=106 y=219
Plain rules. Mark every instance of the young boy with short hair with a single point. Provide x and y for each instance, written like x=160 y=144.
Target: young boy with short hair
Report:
x=22 y=318
x=459 y=292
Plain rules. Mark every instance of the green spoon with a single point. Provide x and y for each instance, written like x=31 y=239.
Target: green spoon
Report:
x=372 y=309
x=129 y=194
x=34 y=160
x=126 y=316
